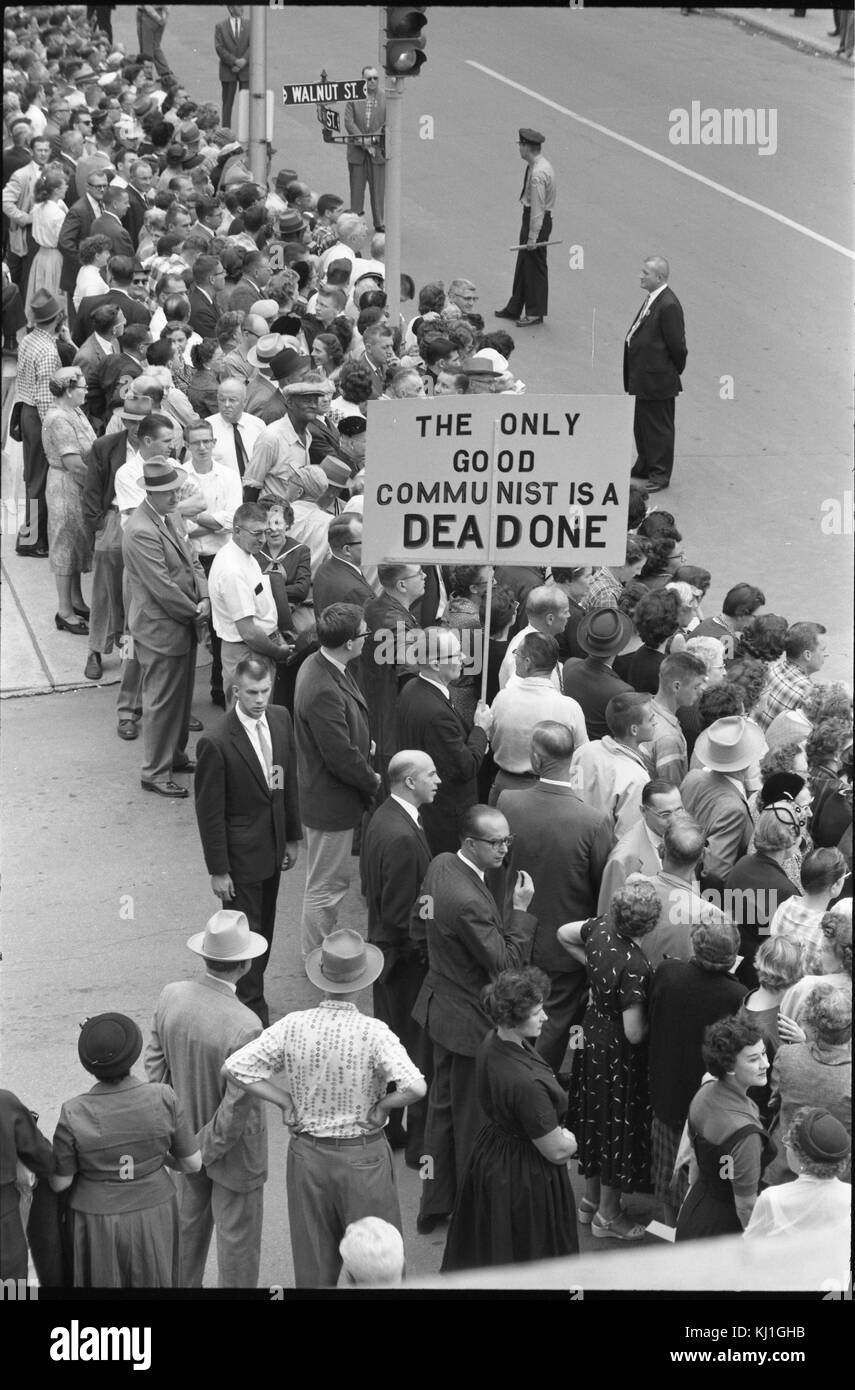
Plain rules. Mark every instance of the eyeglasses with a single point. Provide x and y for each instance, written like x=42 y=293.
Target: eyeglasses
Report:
x=256 y=535
x=496 y=844
x=360 y=634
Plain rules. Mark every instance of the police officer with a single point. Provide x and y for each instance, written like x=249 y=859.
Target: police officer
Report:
x=527 y=304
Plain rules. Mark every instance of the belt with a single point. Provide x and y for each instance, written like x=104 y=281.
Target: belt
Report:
x=362 y=1141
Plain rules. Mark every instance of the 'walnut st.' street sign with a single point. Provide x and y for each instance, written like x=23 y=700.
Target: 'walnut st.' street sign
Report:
x=308 y=93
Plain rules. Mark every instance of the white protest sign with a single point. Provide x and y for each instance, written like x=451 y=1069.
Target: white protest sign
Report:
x=498 y=479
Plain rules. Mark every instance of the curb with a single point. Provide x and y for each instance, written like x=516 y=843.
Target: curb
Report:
x=770 y=23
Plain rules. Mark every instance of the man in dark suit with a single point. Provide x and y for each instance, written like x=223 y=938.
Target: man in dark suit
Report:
x=114 y=375
x=197 y=1025
x=209 y=279
x=468 y=944
x=339 y=578
x=564 y=845
x=141 y=179
x=395 y=857
x=109 y=224
x=426 y=719
x=168 y=601
x=365 y=123
x=120 y=273
x=71 y=150
x=248 y=810
x=384 y=668
x=337 y=783
x=654 y=356
x=231 y=42
x=75 y=228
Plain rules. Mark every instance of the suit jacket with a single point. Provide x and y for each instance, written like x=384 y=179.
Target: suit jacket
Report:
x=112 y=228
x=18 y=201
x=264 y=399
x=69 y=168
x=755 y=887
x=655 y=355
x=105 y=458
x=165 y=582
x=633 y=854
x=723 y=815
x=337 y=582
x=244 y=825
x=331 y=724
x=203 y=314
x=395 y=857
x=425 y=719
x=565 y=846
x=380 y=678
x=75 y=228
x=115 y=374
x=133 y=311
x=90 y=358
x=135 y=216
x=228 y=48
x=357 y=125
x=244 y=294
x=592 y=684
x=197 y=1024
x=468 y=945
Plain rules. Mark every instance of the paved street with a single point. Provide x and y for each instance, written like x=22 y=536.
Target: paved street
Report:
x=102 y=884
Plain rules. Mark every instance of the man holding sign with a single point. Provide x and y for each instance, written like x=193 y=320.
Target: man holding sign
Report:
x=527 y=304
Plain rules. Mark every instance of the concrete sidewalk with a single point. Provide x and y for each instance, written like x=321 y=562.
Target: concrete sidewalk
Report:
x=810 y=33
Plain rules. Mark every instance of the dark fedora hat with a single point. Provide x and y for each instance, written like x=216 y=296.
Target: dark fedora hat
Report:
x=604 y=632
x=43 y=307
x=108 y=1045
x=290 y=222
x=287 y=363
x=160 y=474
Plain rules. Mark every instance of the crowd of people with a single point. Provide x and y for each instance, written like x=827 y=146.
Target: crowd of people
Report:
x=608 y=906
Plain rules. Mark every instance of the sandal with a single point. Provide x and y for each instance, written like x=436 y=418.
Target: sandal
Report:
x=585 y=1211
x=606 y=1229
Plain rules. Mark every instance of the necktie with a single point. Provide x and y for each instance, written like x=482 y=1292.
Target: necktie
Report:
x=266 y=749
x=641 y=314
x=240 y=451
x=525 y=183
x=235 y=29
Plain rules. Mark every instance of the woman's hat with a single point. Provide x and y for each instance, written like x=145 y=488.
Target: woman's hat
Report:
x=266 y=309
x=819 y=1136
x=43 y=306
x=67 y=374
x=604 y=631
x=781 y=786
x=351 y=425
x=160 y=474
x=268 y=346
x=344 y=963
x=227 y=937
x=108 y=1045
x=730 y=744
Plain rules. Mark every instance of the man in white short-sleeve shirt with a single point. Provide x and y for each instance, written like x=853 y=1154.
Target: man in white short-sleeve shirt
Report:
x=243 y=609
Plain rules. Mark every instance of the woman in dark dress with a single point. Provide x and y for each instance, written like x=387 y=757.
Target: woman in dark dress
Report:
x=515 y=1202
x=609 y=1098
x=724 y=1124
x=112 y=1145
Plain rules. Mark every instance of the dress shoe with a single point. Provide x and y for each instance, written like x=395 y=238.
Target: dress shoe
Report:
x=218 y=698
x=170 y=789
x=503 y=314
x=195 y=725
x=426 y=1224
x=33 y=552
x=82 y=612
x=657 y=487
x=78 y=629
x=189 y=766
x=526 y=322
x=93 y=670
x=128 y=729
x=380 y=228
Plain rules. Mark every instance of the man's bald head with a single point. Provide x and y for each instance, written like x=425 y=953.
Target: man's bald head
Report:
x=659 y=265
x=413 y=776
x=408 y=763
x=551 y=744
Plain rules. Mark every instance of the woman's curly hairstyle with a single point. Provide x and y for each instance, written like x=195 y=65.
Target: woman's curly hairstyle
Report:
x=355 y=383
x=723 y=1042
x=827 y=1014
x=779 y=962
x=514 y=995
x=91 y=247
x=203 y=353
x=657 y=616
x=826 y=741
x=764 y=637
x=837 y=930
x=750 y=674
x=635 y=910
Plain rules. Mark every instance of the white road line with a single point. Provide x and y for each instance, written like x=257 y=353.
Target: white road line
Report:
x=663 y=159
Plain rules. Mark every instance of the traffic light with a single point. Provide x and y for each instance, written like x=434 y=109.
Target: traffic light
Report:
x=404 y=55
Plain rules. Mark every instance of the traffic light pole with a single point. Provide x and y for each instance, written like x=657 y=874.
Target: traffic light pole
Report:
x=394 y=187
x=258 y=93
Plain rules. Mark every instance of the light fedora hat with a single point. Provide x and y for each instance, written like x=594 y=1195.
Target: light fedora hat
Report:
x=227 y=937
x=162 y=474
x=344 y=963
x=730 y=744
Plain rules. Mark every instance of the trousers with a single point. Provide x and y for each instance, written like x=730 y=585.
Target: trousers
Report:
x=530 y=290
x=206 y=562
x=328 y=1187
x=149 y=35
x=107 y=608
x=167 y=694
x=205 y=1205
x=258 y=901
x=653 y=427
x=35 y=478
x=327 y=880
x=454 y=1118
x=368 y=172
x=395 y=993
x=229 y=92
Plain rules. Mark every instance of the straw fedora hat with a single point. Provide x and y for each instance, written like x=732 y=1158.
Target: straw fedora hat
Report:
x=227 y=937
x=730 y=744
x=344 y=963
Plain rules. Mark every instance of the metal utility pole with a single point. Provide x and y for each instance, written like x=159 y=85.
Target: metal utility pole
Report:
x=394 y=187
x=258 y=93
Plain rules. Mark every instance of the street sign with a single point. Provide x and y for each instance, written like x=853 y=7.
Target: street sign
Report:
x=309 y=93
x=502 y=479
x=329 y=119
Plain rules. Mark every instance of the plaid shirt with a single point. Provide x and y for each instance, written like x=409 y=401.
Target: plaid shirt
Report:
x=38 y=360
x=604 y=591
x=337 y=1064
x=786 y=688
x=667 y=749
x=802 y=925
x=321 y=240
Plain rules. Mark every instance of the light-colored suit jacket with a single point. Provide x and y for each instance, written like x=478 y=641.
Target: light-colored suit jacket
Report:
x=723 y=815
x=18 y=199
x=198 y=1024
x=633 y=854
x=166 y=583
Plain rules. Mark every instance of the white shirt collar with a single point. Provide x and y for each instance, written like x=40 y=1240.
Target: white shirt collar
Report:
x=654 y=293
x=554 y=782
x=251 y=725
x=339 y=665
x=439 y=685
x=93 y=204
x=410 y=810
x=108 y=347
x=348 y=562
x=470 y=865
x=220 y=981
x=735 y=782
